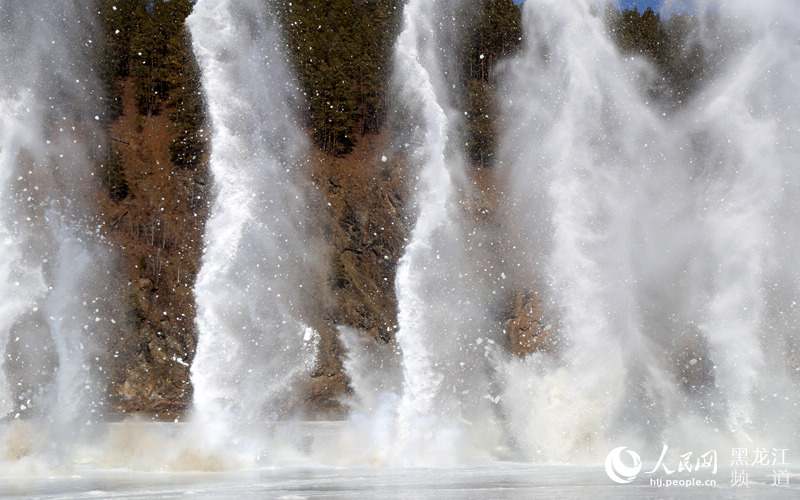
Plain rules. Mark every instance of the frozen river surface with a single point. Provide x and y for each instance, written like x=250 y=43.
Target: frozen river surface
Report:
x=295 y=481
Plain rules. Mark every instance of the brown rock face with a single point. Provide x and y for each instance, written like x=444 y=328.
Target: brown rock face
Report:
x=356 y=210
x=360 y=226
x=158 y=229
x=358 y=219
x=528 y=328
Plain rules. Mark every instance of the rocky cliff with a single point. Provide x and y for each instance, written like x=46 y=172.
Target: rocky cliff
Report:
x=360 y=219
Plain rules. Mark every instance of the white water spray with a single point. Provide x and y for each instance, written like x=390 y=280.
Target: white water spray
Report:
x=444 y=333
x=52 y=317
x=253 y=347
x=666 y=237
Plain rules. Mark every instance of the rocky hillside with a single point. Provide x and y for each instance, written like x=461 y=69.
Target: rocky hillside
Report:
x=362 y=223
x=157 y=227
x=158 y=185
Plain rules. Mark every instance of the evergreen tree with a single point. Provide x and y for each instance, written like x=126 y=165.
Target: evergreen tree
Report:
x=496 y=33
x=674 y=48
x=188 y=147
x=120 y=20
x=115 y=175
x=480 y=141
x=146 y=40
x=341 y=50
x=158 y=51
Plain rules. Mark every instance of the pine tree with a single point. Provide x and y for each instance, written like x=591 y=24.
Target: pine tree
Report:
x=120 y=20
x=188 y=148
x=341 y=50
x=185 y=95
x=495 y=33
x=157 y=51
x=681 y=61
x=480 y=141
x=115 y=175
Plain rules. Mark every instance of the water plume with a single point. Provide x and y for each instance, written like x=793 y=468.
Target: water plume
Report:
x=663 y=233
x=444 y=335
x=254 y=348
x=54 y=275
x=660 y=234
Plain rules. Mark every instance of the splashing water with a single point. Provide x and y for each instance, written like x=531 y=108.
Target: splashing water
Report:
x=662 y=239
x=666 y=235
x=657 y=232
x=253 y=347
x=52 y=274
x=442 y=316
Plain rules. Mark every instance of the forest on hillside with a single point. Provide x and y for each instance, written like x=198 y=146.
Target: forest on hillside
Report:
x=342 y=55
x=341 y=52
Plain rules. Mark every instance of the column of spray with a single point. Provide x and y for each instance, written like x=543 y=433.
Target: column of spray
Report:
x=592 y=185
x=441 y=321
x=749 y=121
x=664 y=235
x=252 y=347
x=51 y=318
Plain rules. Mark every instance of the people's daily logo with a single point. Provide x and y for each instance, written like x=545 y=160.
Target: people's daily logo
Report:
x=618 y=470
